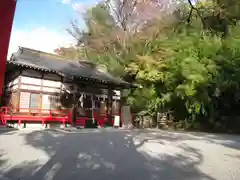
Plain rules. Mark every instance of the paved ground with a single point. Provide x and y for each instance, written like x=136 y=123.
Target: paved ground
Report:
x=118 y=155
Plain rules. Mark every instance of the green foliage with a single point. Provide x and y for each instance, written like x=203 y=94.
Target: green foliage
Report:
x=180 y=66
x=186 y=76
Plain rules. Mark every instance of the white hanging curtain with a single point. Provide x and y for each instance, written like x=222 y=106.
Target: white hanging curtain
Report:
x=81 y=99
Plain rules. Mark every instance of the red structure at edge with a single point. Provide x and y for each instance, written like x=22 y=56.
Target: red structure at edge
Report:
x=7 y=11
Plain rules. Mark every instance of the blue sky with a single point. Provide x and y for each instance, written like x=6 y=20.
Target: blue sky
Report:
x=42 y=24
x=54 y=14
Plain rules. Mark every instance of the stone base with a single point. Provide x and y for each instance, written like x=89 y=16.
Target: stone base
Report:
x=16 y=126
x=36 y=126
x=127 y=126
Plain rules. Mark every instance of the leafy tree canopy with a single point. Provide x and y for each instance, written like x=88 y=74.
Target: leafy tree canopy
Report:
x=186 y=56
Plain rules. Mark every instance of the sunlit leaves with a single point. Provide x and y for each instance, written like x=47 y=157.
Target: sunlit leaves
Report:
x=179 y=65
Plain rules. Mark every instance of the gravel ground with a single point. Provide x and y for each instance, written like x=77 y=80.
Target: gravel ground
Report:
x=118 y=154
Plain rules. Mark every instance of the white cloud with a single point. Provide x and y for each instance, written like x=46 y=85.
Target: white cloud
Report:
x=66 y=1
x=40 y=39
x=80 y=7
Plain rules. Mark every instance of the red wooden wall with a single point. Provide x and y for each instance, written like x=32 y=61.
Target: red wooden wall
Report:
x=7 y=10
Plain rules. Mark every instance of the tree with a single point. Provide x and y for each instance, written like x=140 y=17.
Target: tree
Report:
x=181 y=60
x=70 y=52
x=216 y=15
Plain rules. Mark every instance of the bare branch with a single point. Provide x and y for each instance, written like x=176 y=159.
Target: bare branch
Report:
x=75 y=32
x=190 y=16
x=198 y=12
x=122 y=11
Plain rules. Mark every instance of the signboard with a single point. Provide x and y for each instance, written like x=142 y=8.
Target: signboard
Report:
x=116 y=121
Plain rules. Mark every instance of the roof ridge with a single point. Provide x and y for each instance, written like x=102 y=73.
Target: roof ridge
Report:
x=55 y=55
x=45 y=53
x=36 y=59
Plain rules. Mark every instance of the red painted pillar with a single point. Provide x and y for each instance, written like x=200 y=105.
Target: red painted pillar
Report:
x=7 y=10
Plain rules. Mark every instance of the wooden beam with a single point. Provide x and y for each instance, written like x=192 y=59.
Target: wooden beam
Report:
x=74 y=109
x=109 y=104
x=41 y=94
x=19 y=92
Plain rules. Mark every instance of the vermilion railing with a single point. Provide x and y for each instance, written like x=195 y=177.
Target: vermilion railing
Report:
x=33 y=114
x=48 y=115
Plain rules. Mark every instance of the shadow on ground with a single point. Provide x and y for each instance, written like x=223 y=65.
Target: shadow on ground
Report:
x=104 y=156
x=7 y=131
x=229 y=141
x=2 y=160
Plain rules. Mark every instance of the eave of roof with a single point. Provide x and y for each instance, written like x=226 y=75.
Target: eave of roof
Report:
x=19 y=61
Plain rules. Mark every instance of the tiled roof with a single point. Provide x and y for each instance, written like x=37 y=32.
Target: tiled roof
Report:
x=30 y=58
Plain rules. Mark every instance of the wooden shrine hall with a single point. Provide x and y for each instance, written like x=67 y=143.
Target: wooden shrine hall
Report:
x=46 y=88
